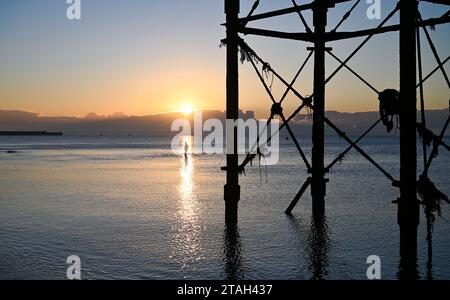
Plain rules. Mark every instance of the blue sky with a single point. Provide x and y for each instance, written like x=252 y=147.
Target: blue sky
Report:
x=148 y=56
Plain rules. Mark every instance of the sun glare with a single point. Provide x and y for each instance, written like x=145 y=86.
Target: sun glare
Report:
x=186 y=109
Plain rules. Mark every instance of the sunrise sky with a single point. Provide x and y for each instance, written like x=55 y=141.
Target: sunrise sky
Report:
x=144 y=57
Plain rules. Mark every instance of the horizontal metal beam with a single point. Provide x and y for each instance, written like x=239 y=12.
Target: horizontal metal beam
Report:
x=289 y=10
x=334 y=36
x=297 y=36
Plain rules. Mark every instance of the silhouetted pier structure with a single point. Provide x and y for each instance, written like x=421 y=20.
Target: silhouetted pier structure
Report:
x=402 y=103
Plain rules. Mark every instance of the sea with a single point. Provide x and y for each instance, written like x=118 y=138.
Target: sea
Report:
x=131 y=208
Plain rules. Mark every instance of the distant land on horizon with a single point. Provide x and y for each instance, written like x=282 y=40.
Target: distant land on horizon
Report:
x=120 y=124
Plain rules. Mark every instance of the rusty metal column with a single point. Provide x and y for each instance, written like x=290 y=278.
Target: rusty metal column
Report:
x=232 y=188
x=318 y=181
x=408 y=207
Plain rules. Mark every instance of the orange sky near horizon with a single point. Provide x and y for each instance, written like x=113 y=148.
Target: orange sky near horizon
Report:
x=143 y=58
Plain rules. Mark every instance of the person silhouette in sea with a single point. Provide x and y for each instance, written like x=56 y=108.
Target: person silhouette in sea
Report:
x=186 y=149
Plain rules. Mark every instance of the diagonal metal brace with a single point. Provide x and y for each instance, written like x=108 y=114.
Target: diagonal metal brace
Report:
x=361 y=151
x=298 y=196
x=340 y=156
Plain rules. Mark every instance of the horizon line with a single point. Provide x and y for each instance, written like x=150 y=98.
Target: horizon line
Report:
x=125 y=115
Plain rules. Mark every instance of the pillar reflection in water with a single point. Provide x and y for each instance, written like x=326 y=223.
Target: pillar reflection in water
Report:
x=407 y=269
x=231 y=256
x=318 y=243
x=314 y=237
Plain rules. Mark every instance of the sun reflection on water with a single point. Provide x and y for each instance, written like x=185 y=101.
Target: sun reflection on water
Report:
x=188 y=202
x=188 y=229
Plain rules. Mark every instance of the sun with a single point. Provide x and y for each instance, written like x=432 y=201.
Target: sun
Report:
x=186 y=109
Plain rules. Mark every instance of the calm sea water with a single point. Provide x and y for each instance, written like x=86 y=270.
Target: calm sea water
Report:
x=131 y=209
